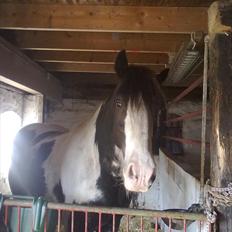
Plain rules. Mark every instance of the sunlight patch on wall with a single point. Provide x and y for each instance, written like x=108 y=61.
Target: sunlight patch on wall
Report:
x=10 y=123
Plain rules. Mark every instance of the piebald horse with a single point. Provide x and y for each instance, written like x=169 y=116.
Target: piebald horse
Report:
x=101 y=161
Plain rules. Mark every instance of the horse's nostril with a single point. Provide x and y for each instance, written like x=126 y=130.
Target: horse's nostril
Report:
x=132 y=172
x=152 y=178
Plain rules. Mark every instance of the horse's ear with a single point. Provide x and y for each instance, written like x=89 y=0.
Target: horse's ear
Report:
x=121 y=63
x=161 y=77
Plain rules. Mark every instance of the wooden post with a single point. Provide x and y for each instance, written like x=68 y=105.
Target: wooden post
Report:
x=220 y=78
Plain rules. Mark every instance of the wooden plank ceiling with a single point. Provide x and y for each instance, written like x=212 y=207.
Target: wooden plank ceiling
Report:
x=77 y=40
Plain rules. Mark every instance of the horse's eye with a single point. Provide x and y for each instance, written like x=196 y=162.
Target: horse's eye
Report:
x=118 y=103
x=121 y=125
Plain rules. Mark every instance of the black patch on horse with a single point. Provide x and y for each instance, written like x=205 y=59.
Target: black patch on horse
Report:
x=27 y=185
x=45 y=135
x=38 y=188
x=58 y=192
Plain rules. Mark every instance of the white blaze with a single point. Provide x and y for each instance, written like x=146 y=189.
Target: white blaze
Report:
x=137 y=150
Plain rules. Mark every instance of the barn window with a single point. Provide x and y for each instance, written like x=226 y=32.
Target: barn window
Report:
x=10 y=123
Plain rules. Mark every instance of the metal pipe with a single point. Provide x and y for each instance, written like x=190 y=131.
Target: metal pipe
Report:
x=72 y=223
x=113 y=229
x=194 y=84
x=59 y=211
x=185 y=116
x=170 y=225
x=156 y=225
x=45 y=222
x=185 y=141
x=19 y=218
x=6 y=215
x=184 y=225
x=99 y=222
x=86 y=220
x=141 y=223
x=108 y=210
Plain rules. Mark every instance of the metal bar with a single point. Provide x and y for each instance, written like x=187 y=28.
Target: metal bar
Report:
x=99 y=221
x=185 y=141
x=184 y=221
x=72 y=221
x=203 y=125
x=185 y=116
x=170 y=225
x=195 y=84
x=127 y=223
x=156 y=224
x=108 y=210
x=58 y=220
x=86 y=221
x=141 y=223
x=20 y=203
x=209 y=227
x=113 y=226
x=131 y=212
x=45 y=222
x=6 y=215
x=19 y=218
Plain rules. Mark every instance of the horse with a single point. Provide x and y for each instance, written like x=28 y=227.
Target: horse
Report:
x=102 y=161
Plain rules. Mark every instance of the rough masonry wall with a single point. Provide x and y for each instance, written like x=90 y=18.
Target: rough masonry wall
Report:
x=28 y=107
x=70 y=111
x=11 y=100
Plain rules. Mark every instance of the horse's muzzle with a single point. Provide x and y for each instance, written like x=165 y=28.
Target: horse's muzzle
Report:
x=138 y=178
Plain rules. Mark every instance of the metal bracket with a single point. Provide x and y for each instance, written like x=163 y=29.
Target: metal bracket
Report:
x=39 y=210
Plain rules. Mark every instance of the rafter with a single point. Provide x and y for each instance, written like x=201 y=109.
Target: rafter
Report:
x=96 y=57
x=102 y=18
x=86 y=67
x=79 y=41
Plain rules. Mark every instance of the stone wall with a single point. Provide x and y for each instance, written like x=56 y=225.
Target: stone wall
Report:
x=70 y=111
x=30 y=110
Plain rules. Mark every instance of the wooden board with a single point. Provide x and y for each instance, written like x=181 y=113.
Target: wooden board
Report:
x=96 y=57
x=88 y=67
x=80 y=41
x=102 y=18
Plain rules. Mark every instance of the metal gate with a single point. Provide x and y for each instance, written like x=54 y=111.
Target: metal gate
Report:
x=38 y=217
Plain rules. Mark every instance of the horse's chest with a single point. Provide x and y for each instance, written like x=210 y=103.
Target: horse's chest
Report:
x=80 y=184
x=79 y=173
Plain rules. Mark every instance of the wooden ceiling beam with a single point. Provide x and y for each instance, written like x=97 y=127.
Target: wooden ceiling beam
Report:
x=86 y=41
x=59 y=17
x=18 y=70
x=87 y=67
x=96 y=57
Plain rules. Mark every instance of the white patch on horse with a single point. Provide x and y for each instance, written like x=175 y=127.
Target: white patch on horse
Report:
x=137 y=151
x=75 y=161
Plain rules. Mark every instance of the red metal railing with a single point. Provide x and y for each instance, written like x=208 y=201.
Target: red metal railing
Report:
x=191 y=87
x=142 y=218
x=187 y=116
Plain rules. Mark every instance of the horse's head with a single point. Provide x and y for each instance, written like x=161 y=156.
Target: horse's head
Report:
x=129 y=131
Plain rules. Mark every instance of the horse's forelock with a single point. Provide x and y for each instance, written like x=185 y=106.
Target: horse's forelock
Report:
x=138 y=86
